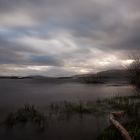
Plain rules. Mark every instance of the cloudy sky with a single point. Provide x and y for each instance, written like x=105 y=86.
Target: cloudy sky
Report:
x=66 y=37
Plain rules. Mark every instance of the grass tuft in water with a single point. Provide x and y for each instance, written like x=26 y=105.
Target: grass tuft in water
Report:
x=77 y=108
x=26 y=114
x=130 y=104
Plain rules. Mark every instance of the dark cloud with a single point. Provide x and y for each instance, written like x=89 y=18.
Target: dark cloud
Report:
x=15 y=53
x=46 y=60
x=76 y=35
x=129 y=40
x=11 y=52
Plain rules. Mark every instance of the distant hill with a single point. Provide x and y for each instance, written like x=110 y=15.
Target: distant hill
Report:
x=100 y=77
x=104 y=76
x=108 y=73
x=114 y=74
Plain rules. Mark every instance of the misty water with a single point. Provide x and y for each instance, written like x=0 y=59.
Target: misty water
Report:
x=15 y=93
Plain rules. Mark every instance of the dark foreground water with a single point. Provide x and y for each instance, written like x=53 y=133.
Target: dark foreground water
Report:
x=15 y=93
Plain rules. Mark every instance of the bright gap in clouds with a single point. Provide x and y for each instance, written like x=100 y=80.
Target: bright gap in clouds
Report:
x=63 y=38
x=64 y=50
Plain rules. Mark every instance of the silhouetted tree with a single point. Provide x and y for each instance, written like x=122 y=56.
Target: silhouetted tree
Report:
x=134 y=70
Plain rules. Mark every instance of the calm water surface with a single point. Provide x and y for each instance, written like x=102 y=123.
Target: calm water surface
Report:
x=15 y=93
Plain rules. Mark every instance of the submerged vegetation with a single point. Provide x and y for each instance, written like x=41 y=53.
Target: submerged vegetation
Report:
x=80 y=107
x=24 y=115
x=130 y=105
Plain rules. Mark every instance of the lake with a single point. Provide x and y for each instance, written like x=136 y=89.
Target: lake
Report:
x=15 y=93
